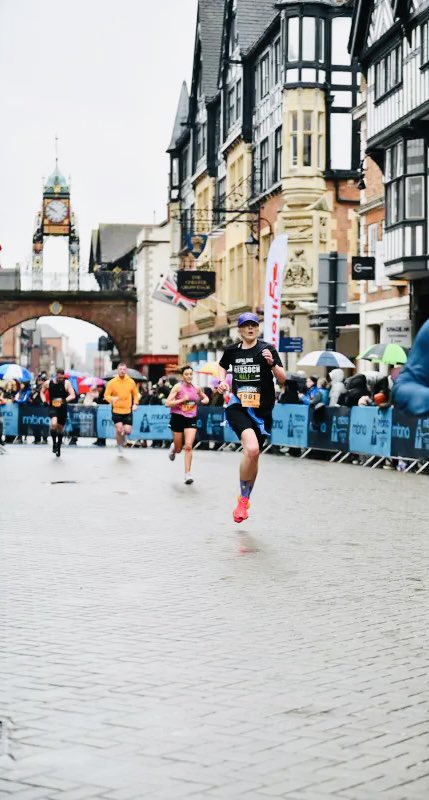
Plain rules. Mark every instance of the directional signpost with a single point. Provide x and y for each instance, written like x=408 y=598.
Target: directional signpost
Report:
x=291 y=344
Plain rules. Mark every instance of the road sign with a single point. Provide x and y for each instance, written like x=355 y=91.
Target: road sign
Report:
x=319 y=322
x=291 y=344
x=363 y=268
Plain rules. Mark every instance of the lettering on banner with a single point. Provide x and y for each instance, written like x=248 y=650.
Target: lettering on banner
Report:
x=273 y=291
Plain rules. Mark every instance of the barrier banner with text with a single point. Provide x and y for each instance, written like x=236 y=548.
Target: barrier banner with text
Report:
x=329 y=429
x=81 y=421
x=290 y=424
x=210 y=423
x=149 y=422
x=370 y=431
x=410 y=436
x=10 y=415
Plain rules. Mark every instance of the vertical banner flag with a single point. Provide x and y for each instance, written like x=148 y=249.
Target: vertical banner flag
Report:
x=276 y=263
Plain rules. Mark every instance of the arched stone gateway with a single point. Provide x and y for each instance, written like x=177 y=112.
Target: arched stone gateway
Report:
x=115 y=312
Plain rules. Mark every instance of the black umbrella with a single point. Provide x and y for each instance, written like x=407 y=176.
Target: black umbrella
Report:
x=133 y=373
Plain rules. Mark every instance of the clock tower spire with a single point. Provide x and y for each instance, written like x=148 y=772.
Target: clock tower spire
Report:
x=56 y=219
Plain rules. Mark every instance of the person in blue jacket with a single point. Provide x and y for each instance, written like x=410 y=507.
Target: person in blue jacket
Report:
x=411 y=389
x=312 y=391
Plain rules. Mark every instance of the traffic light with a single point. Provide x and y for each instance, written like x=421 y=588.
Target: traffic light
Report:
x=105 y=344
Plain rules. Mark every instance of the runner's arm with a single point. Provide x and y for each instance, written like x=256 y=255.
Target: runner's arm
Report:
x=71 y=392
x=279 y=373
x=108 y=395
x=222 y=387
x=42 y=392
x=275 y=364
x=136 y=395
x=171 y=399
x=203 y=397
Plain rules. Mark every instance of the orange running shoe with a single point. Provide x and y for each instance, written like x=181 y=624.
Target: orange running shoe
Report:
x=240 y=513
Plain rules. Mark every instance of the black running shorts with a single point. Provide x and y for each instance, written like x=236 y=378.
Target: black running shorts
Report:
x=60 y=412
x=126 y=419
x=179 y=423
x=240 y=421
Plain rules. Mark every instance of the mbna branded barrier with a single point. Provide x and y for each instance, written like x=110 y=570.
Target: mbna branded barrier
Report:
x=369 y=431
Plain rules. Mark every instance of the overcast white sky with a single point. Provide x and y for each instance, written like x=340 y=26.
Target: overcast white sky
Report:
x=105 y=76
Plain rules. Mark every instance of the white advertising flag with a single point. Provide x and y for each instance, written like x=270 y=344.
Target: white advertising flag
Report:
x=276 y=263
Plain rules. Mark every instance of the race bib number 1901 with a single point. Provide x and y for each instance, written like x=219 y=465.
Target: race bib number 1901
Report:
x=249 y=398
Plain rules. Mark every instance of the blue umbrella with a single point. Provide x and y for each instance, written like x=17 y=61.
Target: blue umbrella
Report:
x=11 y=372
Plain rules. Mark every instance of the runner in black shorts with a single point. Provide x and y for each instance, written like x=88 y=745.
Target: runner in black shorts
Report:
x=183 y=402
x=123 y=395
x=61 y=392
x=253 y=363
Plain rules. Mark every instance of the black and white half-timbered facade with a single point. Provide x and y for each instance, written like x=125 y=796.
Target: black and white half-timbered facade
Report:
x=390 y=39
x=267 y=128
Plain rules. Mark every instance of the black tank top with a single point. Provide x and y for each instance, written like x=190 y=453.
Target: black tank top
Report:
x=57 y=391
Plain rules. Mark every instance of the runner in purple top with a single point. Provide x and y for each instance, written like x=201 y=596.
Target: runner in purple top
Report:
x=183 y=402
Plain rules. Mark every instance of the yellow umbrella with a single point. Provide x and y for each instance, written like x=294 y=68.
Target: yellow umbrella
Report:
x=211 y=368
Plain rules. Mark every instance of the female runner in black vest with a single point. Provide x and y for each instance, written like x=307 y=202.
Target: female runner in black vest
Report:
x=61 y=392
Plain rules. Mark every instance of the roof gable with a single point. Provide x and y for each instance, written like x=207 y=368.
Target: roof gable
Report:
x=371 y=20
x=181 y=117
x=382 y=19
x=116 y=240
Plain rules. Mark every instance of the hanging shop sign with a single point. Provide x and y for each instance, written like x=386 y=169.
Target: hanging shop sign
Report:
x=196 y=284
x=363 y=268
x=195 y=243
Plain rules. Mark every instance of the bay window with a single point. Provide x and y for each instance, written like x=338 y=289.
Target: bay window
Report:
x=404 y=178
x=305 y=37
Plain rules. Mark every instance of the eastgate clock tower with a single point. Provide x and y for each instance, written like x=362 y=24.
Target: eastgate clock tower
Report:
x=56 y=219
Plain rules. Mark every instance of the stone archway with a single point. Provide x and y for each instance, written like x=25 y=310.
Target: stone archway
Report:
x=114 y=312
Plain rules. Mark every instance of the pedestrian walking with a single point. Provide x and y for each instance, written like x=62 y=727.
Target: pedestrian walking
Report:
x=56 y=393
x=183 y=401
x=122 y=394
x=254 y=363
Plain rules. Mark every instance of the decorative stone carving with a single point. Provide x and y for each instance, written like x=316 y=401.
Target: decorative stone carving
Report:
x=298 y=272
x=299 y=229
x=323 y=231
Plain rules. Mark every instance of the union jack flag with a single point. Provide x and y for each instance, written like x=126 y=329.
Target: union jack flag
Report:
x=166 y=292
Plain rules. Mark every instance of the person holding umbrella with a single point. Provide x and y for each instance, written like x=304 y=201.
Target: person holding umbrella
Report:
x=60 y=392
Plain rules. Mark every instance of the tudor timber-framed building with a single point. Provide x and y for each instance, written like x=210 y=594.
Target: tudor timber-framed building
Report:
x=264 y=144
x=390 y=38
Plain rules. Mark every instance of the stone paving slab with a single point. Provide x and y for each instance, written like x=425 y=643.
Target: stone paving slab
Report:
x=142 y=657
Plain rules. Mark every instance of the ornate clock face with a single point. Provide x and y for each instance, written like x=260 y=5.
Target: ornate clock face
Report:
x=56 y=211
